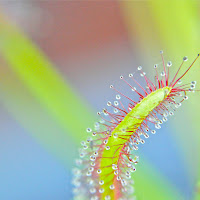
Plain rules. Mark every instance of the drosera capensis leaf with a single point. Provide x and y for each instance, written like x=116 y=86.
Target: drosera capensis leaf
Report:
x=133 y=119
x=107 y=161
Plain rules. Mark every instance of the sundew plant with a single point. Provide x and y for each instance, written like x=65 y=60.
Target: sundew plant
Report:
x=107 y=158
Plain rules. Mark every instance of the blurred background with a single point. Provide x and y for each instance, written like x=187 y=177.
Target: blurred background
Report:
x=57 y=60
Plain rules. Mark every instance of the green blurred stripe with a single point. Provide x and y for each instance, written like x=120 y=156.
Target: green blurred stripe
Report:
x=177 y=23
x=34 y=118
x=155 y=186
x=197 y=197
x=135 y=12
x=43 y=81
